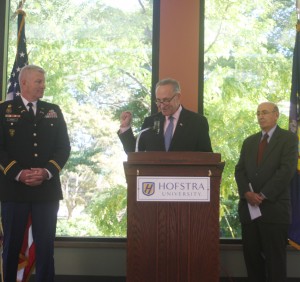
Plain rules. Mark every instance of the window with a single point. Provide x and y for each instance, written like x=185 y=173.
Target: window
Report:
x=248 y=59
x=98 y=59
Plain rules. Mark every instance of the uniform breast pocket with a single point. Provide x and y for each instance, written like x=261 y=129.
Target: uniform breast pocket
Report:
x=51 y=125
x=12 y=129
x=46 y=133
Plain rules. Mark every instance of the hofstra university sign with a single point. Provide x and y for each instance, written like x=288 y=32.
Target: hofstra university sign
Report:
x=173 y=189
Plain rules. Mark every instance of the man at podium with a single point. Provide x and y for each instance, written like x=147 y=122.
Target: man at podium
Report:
x=173 y=128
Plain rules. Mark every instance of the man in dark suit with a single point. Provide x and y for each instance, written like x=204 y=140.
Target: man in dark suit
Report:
x=268 y=174
x=189 y=132
x=34 y=147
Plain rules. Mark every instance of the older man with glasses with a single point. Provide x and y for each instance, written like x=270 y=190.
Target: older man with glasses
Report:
x=173 y=128
x=267 y=162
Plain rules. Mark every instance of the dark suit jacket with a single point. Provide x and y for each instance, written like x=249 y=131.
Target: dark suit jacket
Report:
x=26 y=144
x=191 y=134
x=272 y=177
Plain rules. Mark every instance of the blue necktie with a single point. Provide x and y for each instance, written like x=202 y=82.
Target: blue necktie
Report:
x=169 y=133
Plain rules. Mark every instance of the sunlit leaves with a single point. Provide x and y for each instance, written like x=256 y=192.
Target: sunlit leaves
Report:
x=247 y=60
x=98 y=62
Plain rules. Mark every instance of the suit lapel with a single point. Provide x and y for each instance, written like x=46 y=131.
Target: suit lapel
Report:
x=162 y=120
x=254 y=151
x=180 y=127
x=20 y=108
x=160 y=135
x=40 y=110
x=179 y=130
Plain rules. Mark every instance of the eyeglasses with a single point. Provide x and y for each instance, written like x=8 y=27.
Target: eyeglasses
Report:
x=165 y=101
x=263 y=113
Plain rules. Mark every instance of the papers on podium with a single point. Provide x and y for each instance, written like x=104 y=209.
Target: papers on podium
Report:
x=254 y=210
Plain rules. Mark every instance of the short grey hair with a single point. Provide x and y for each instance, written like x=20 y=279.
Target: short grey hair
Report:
x=29 y=68
x=169 y=81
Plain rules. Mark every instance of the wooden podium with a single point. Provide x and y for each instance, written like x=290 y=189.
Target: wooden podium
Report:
x=173 y=241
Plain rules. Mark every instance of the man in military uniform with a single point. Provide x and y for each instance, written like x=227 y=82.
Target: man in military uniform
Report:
x=34 y=147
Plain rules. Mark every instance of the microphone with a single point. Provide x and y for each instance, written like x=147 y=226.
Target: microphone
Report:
x=155 y=127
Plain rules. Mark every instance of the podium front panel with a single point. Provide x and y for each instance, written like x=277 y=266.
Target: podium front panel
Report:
x=172 y=241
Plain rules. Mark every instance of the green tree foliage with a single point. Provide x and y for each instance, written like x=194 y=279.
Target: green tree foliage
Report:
x=108 y=211
x=98 y=61
x=248 y=52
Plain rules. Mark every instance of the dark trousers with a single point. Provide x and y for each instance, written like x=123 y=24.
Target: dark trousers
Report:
x=264 y=247
x=14 y=219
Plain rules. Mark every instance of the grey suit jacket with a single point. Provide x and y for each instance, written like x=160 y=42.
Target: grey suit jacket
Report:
x=191 y=134
x=271 y=177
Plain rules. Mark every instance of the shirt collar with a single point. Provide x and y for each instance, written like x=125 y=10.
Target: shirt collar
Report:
x=270 y=133
x=176 y=114
x=25 y=101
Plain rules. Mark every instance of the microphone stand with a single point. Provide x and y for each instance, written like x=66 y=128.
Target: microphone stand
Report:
x=155 y=127
x=138 y=138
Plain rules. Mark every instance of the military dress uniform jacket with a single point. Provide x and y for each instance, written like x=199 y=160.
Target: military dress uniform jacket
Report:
x=26 y=143
x=191 y=134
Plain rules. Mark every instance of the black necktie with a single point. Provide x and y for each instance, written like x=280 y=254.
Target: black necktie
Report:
x=31 y=112
x=261 y=148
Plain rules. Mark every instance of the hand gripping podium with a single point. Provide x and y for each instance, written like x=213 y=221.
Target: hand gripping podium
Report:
x=175 y=236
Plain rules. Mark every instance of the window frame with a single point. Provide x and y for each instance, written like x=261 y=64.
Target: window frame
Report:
x=4 y=8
